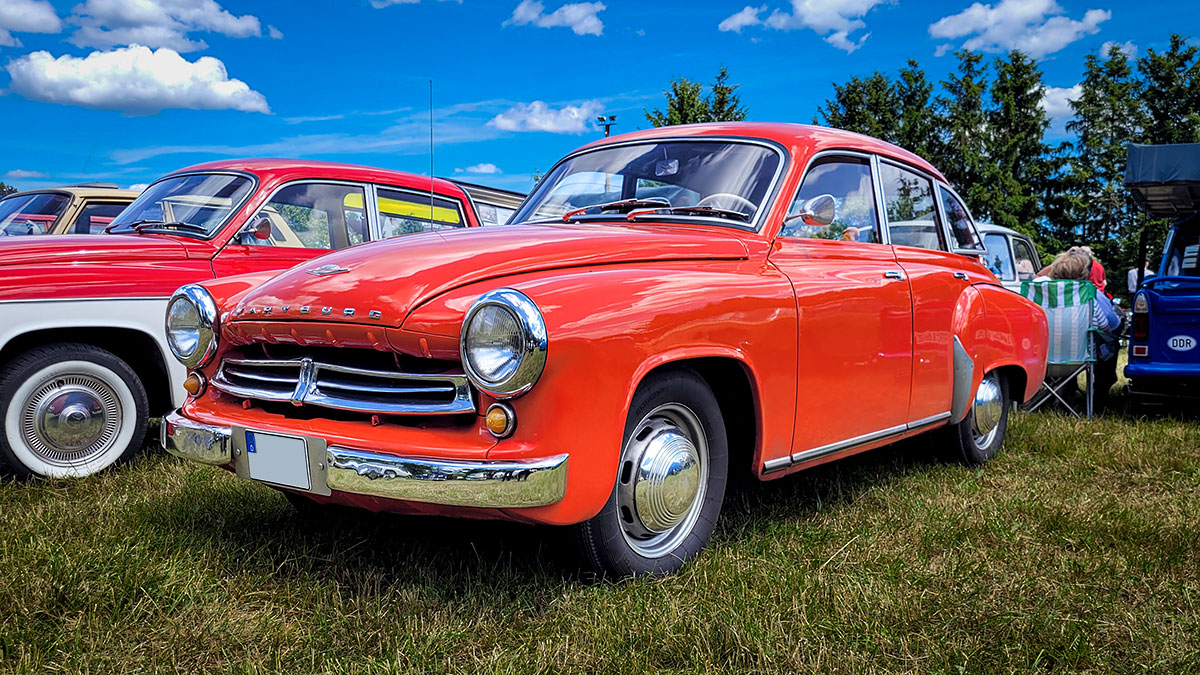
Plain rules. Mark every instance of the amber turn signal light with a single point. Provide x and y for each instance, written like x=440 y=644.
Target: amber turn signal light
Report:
x=194 y=384
x=500 y=420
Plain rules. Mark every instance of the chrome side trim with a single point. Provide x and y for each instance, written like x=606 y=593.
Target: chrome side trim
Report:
x=964 y=369
x=500 y=485
x=199 y=442
x=927 y=421
x=784 y=462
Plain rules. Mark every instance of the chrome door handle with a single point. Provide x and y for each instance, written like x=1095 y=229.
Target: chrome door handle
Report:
x=893 y=275
x=961 y=275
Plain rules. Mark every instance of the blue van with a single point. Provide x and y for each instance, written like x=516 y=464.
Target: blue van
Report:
x=1164 y=345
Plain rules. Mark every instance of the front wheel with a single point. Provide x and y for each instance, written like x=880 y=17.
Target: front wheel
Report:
x=979 y=435
x=670 y=481
x=69 y=410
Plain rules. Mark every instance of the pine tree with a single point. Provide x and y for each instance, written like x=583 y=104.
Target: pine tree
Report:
x=685 y=105
x=6 y=189
x=870 y=106
x=1171 y=92
x=1016 y=170
x=918 y=127
x=1107 y=115
x=725 y=105
x=962 y=156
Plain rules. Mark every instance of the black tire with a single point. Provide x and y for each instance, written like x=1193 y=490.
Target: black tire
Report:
x=974 y=447
x=79 y=386
x=605 y=541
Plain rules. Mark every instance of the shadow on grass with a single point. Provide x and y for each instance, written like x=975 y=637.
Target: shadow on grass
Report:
x=252 y=529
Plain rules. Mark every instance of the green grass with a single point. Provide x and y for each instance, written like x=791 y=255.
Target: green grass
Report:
x=1078 y=549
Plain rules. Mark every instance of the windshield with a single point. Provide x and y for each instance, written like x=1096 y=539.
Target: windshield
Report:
x=723 y=180
x=196 y=205
x=31 y=214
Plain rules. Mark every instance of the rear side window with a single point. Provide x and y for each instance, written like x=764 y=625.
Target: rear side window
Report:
x=911 y=211
x=961 y=227
x=409 y=213
x=95 y=216
x=31 y=214
x=1027 y=261
x=848 y=181
x=998 y=259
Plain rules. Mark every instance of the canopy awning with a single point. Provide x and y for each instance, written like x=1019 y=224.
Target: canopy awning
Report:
x=1165 y=179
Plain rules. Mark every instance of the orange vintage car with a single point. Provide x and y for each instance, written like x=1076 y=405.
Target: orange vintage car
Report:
x=670 y=305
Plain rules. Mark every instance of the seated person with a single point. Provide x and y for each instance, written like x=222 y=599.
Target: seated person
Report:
x=1076 y=266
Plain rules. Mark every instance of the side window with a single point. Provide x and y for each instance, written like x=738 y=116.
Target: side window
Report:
x=95 y=216
x=1027 y=261
x=911 y=212
x=410 y=212
x=998 y=259
x=314 y=215
x=848 y=181
x=961 y=227
x=490 y=214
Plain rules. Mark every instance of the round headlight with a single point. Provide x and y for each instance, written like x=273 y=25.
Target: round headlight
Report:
x=192 y=325
x=504 y=343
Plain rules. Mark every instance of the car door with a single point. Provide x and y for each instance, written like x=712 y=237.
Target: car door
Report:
x=307 y=218
x=854 y=308
x=938 y=278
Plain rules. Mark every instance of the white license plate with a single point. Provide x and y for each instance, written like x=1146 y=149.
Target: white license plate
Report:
x=282 y=460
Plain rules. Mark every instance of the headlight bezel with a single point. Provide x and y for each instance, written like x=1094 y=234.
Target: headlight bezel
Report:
x=533 y=338
x=206 y=337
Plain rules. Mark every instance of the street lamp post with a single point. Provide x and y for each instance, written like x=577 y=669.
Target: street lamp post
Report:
x=606 y=122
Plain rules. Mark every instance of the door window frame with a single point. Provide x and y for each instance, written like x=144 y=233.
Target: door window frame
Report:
x=368 y=202
x=937 y=204
x=872 y=166
x=951 y=240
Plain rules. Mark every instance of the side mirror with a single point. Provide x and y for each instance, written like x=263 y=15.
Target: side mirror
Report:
x=260 y=228
x=819 y=211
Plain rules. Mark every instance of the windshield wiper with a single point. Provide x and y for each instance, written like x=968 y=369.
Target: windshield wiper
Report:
x=619 y=205
x=694 y=210
x=171 y=227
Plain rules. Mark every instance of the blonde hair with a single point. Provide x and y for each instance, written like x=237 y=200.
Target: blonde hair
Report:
x=1074 y=264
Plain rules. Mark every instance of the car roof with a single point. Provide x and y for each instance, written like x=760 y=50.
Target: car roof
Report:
x=82 y=191
x=789 y=135
x=291 y=169
x=992 y=228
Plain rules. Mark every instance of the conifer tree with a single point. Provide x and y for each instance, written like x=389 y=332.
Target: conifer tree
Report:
x=1171 y=93
x=1016 y=170
x=870 y=106
x=964 y=131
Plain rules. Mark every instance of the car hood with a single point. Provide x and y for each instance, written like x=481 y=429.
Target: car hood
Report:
x=87 y=248
x=381 y=283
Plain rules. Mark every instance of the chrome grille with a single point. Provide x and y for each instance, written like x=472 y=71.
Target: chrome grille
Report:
x=305 y=381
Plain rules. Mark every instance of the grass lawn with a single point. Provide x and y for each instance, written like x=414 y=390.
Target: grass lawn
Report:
x=1078 y=549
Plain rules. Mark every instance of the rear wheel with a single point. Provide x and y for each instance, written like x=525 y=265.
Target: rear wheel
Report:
x=69 y=410
x=670 y=481
x=980 y=434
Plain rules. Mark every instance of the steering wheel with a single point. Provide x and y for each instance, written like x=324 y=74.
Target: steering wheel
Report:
x=735 y=199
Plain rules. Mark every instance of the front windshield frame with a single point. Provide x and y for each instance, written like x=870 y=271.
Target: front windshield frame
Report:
x=754 y=225
x=223 y=223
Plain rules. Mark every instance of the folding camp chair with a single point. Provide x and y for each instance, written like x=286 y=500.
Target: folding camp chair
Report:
x=1068 y=306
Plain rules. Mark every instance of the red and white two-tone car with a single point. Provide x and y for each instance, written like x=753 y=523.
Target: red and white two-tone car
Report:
x=670 y=305
x=83 y=353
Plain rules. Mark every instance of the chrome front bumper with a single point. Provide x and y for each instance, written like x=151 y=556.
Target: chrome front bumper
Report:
x=500 y=485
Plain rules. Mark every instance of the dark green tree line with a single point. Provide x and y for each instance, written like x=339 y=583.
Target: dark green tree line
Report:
x=687 y=103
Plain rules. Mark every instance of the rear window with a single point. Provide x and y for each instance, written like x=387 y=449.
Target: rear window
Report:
x=31 y=214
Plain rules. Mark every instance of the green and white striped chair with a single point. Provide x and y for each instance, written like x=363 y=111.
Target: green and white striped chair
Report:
x=1069 y=306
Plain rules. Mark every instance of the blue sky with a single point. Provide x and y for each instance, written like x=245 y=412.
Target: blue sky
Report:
x=127 y=90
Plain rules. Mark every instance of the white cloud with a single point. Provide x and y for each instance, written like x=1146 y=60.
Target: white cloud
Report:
x=19 y=174
x=481 y=169
x=26 y=16
x=747 y=17
x=274 y=33
x=538 y=116
x=1056 y=101
x=833 y=20
x=380 y=4
x=139 y=187
x=1130 y=50
x=135 y=80
x=580 y=17
x=1036 y=27
x=156 y=23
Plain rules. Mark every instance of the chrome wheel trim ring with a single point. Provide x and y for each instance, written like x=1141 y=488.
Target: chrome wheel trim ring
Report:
x=662 y=480
x=70 y=419
x=96 y=455
x=986 y=411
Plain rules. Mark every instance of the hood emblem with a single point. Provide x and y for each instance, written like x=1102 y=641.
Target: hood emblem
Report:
x=326 y=270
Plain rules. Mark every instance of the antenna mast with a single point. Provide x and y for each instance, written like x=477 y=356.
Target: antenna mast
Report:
x=431 y=221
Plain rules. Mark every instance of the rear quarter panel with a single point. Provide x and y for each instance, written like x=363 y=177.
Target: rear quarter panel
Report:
x=1013 y=334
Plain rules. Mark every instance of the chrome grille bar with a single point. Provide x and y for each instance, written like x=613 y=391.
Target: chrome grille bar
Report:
x=308 y=382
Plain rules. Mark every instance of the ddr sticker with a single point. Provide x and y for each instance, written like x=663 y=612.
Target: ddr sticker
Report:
x=1181 y=343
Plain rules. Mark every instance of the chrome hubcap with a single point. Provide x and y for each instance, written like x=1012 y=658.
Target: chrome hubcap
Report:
x=662 y=481
x=70 y=419
x=987 y=410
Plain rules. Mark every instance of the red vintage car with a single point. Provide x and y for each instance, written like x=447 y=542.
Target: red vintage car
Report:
x=83 y=354
x=671 y=305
